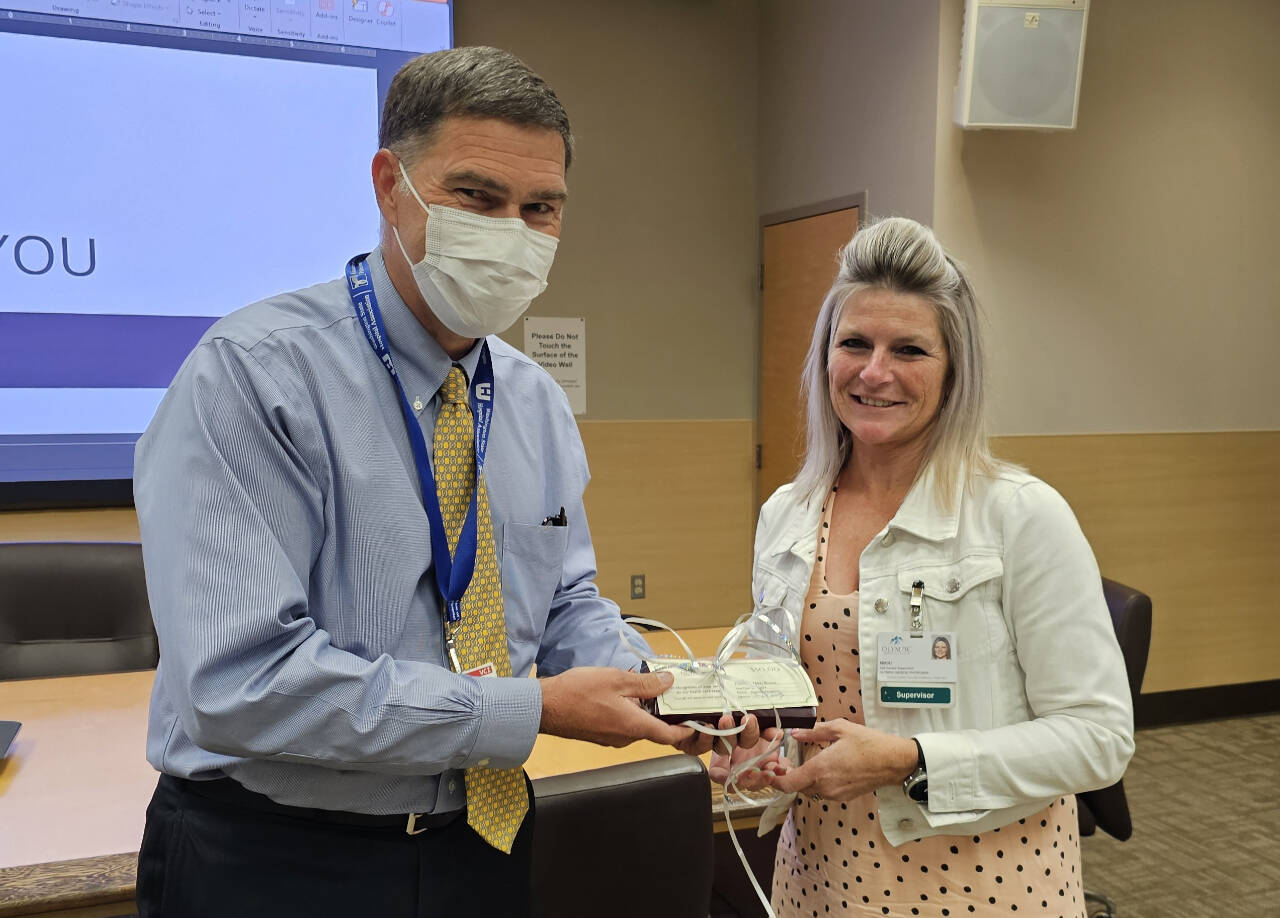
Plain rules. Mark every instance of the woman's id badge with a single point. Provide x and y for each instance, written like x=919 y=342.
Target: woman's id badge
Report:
x=916 y=671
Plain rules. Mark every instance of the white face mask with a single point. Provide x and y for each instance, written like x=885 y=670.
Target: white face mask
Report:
x=478 y=273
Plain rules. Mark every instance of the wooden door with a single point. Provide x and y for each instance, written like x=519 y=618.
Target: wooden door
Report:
x=799 y=265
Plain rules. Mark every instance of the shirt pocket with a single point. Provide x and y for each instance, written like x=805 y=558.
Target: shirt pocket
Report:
x=532 y=566
x=963 y=597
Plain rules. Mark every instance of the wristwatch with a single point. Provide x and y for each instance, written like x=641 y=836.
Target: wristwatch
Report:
x=916 y=786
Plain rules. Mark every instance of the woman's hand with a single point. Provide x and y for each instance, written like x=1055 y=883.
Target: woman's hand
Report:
x=699 y=743
x=854 y=760
x=753 y=743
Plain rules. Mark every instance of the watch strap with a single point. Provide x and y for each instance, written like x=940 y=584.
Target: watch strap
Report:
x=916 y=786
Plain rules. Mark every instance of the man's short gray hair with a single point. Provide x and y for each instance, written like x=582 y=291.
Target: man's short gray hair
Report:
x=903 y=256
x=479 y=82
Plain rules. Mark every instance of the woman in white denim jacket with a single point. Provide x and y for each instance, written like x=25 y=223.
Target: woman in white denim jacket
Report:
x=897 y=447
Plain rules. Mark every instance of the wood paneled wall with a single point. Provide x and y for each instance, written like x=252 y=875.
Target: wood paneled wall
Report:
x=105 y=525
x=1192 y=519
x=674 y=500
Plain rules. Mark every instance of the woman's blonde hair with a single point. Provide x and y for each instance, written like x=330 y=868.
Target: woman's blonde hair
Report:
x=904 y=256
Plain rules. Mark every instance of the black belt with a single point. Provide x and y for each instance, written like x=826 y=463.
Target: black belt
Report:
x=227 y=790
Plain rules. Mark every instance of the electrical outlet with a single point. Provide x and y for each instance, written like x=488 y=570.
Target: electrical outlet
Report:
x=637 y=586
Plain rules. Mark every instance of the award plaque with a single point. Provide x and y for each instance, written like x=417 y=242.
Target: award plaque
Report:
x=759 y=686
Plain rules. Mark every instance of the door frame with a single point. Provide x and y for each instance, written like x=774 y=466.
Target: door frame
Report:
x=859 y=200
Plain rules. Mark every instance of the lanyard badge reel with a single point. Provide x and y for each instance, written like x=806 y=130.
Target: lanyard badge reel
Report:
x=916 y=669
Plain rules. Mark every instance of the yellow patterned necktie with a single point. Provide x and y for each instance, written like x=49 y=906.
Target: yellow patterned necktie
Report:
x=497 y=798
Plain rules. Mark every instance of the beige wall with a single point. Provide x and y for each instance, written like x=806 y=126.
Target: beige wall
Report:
x=659 y=245
x=1126 y=272
x=1127 y=268
x=846 y=103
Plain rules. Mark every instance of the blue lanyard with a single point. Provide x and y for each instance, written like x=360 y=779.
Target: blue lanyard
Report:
x=453 y=573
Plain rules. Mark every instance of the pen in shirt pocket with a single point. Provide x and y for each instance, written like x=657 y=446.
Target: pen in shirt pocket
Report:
x=559 y=520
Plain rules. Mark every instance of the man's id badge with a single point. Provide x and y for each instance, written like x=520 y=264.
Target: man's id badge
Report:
x=484 y=669
x=916 y=672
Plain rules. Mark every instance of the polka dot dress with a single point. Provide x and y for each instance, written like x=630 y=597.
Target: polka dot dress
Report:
x=833 y=859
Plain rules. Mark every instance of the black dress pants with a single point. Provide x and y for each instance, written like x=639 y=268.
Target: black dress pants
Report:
x=248 y=857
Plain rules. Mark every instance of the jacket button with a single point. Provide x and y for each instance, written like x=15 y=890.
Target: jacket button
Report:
x=953 y=585
x=888 y=539
x=881 y=606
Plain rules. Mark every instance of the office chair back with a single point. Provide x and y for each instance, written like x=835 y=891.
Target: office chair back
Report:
x=627 y=840
x=1131 y=616
x=73 y=608
x=1108 y=808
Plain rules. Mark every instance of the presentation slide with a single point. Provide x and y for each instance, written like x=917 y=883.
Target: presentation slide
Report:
x=155 y=183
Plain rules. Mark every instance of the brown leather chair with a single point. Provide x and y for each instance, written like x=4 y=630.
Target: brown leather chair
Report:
x=1107 y=808
x=73 y=608
x=627 y=840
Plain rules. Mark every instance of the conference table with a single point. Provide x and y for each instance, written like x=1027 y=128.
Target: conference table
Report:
x=75 y=786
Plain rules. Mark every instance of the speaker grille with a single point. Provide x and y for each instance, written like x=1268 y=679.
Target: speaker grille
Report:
x=1026 y=75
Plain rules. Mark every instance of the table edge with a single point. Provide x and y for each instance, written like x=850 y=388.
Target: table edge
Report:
x=30 y=889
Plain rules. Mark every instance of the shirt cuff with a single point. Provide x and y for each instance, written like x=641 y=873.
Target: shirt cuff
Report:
x=951 y=761
x=510 y=713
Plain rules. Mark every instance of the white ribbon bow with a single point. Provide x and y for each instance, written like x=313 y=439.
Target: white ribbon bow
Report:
x=738 y=638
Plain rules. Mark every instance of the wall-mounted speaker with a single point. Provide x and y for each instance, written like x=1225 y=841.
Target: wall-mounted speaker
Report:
x=1020 y=64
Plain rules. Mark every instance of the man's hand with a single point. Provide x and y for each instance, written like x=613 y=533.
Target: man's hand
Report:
x=598 y=704
x=854 y=760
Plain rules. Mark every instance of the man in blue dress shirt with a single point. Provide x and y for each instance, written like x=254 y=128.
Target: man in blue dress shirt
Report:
x=311 y=733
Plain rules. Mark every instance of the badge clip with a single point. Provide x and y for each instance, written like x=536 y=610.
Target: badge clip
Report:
x=452 y=647
x=917 y=609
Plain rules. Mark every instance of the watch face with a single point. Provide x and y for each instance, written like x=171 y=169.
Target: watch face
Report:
x=917 y=786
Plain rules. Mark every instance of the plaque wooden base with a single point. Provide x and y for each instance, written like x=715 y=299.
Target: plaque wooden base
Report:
x=801 y=717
